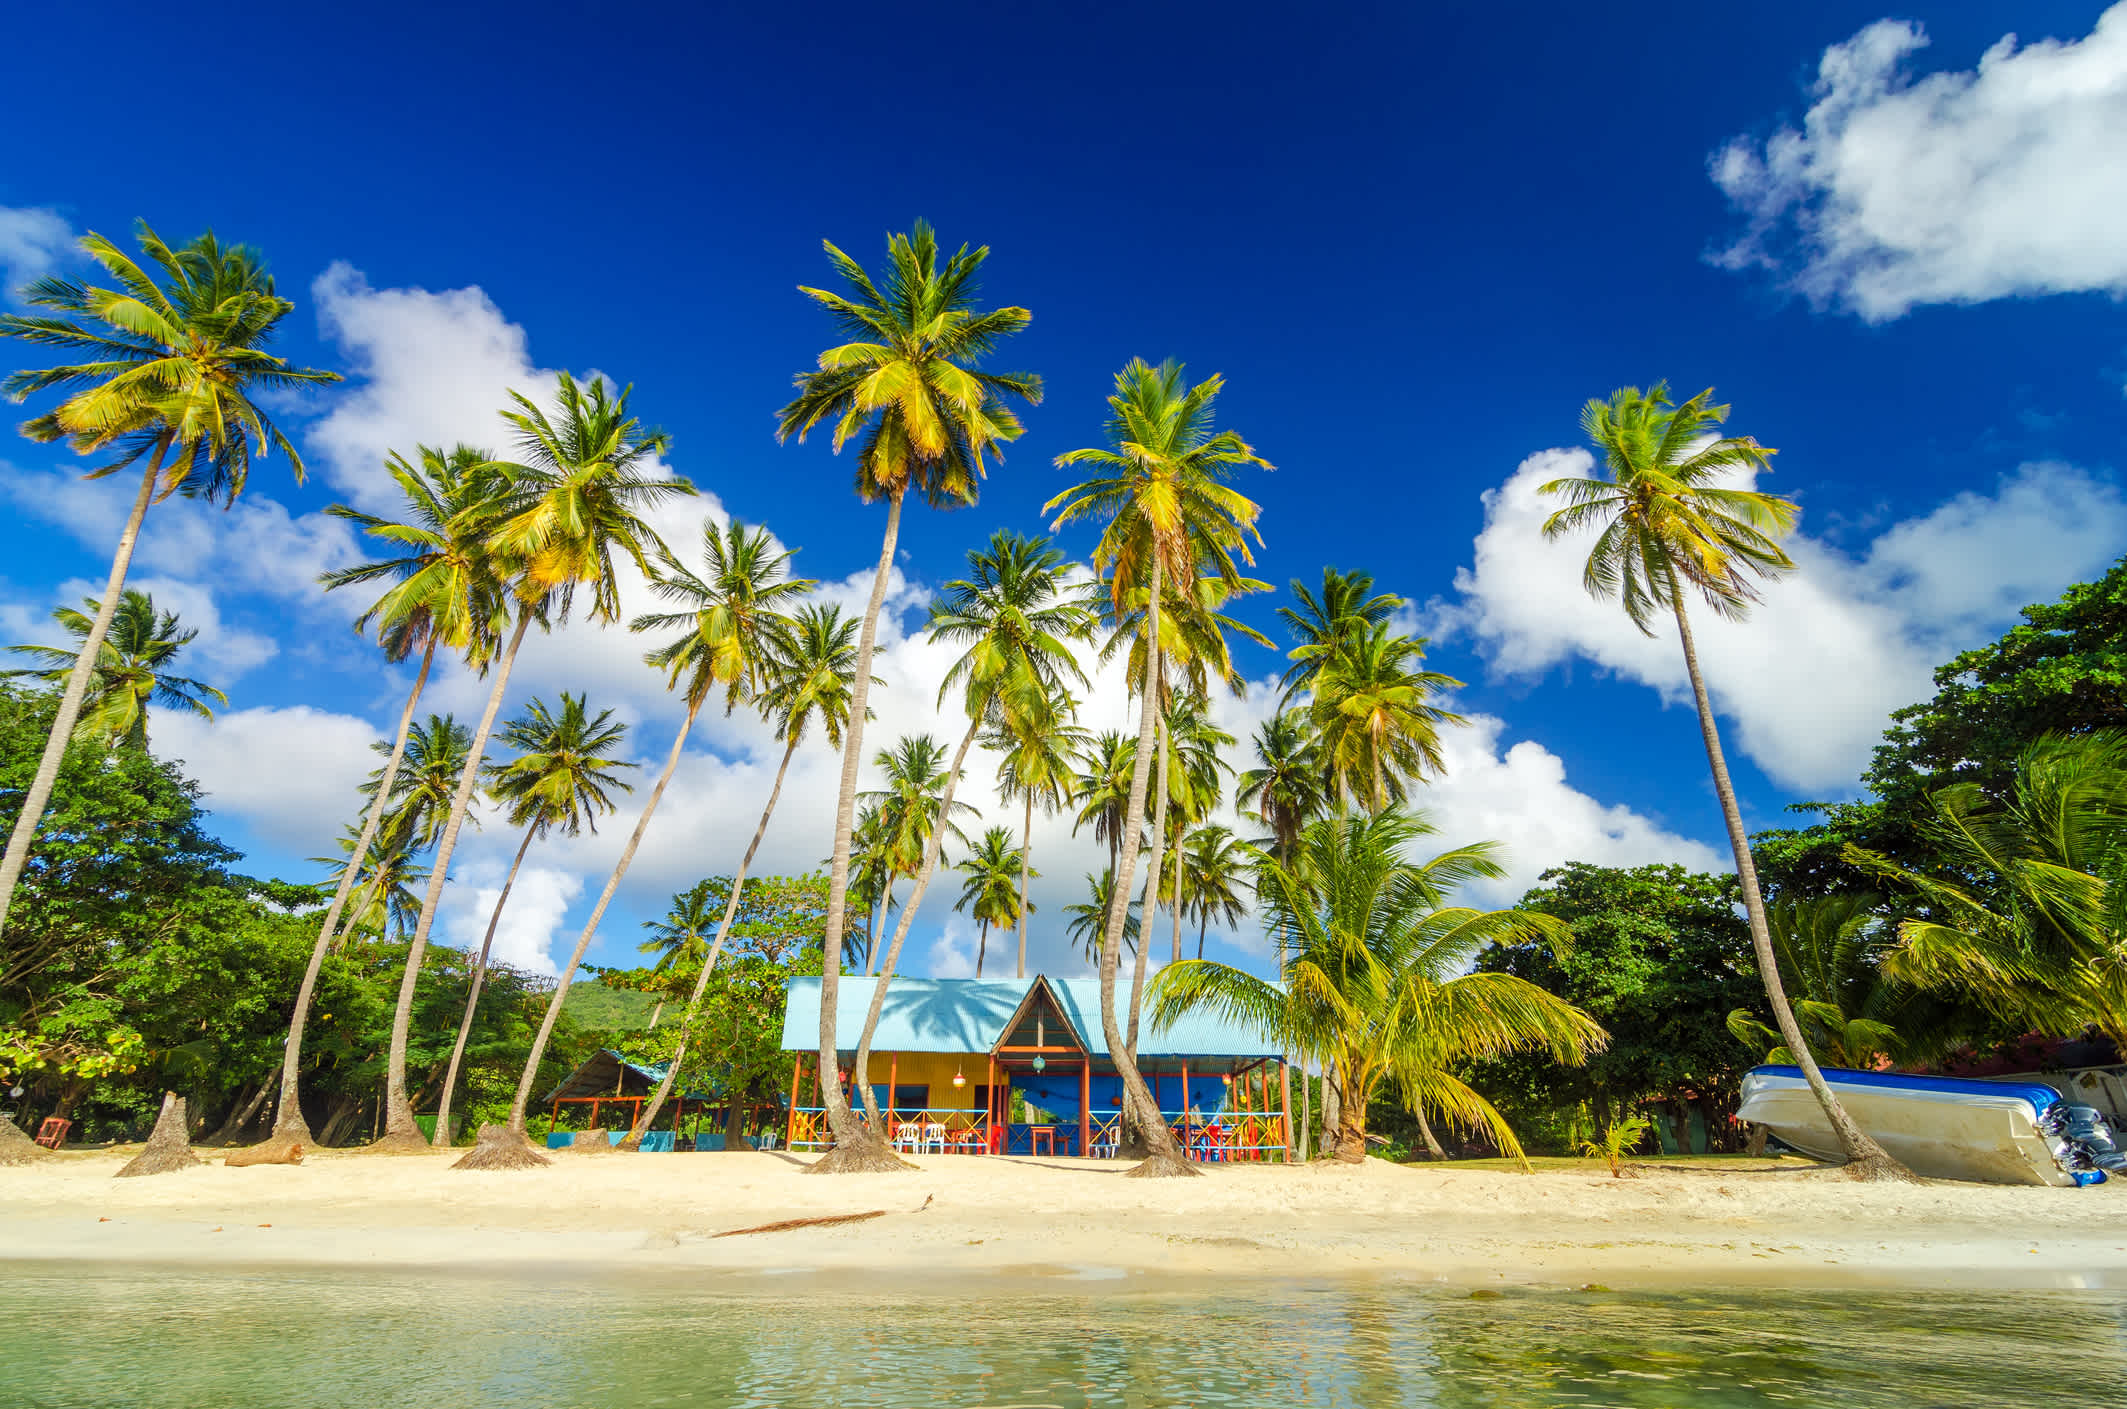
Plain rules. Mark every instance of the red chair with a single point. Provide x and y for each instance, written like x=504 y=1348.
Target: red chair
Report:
x=52 y=1134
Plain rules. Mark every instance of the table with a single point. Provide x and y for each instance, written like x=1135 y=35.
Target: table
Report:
x=1040 y=1135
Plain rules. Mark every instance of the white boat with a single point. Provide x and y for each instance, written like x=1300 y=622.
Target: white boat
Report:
x=1942 y=1127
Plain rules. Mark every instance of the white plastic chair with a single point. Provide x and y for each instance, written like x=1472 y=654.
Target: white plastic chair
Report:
x=933 y=1138
x=907 y=1136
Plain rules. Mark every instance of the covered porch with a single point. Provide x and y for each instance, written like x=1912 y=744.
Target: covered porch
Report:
x=607 y=1086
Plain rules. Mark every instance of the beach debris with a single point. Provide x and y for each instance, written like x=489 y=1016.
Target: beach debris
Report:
x=169 y=1147
x=826 y=1221
x=271 y=1152
x=500 y=1147
x=16 y=1147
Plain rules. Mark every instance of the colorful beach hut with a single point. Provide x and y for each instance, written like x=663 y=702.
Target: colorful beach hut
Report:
x=606 y=1078
x=949 y=1054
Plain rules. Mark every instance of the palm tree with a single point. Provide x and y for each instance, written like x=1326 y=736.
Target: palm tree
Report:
x=388 y=871
x=1374 y=729
x=871 y=884
x=1348 y=605
x=1286 y=786
x=562 y=779
x=417 y=804
x=1169 y=517
x=1018 y=613
x=682 y=937
x=583 y=479
x=991 y=891
x=901 y=817
x=1087 y=922
x=1832 y=952
x=924 y=417
x=444 y=593
x=1101 y=789
x=131 y=670
x=1668 y=527
x=1196 y=770
x=1214 y=869
x=1376 y=976
x=1035 y=768
x=170 y=374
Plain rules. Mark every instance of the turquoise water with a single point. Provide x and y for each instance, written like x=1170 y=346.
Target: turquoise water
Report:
x=109 y=1336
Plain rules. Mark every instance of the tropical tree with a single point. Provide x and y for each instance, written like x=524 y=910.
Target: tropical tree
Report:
x=991 y=891
x=1286 y=787
x=443 y=591
x=132 y=670
x=418 y=799
x=1375 y=984
x=1376 y=731
x=871 y=885
x=681 y=939
x=903 y=815
x=1168 y=517
x=1671 y=525
x=1035 y=768
x=1214 y=869
x=170 y=372
x=1321 y=625
x=907 y=389
x=388 y=870
x=583 y=478
x=1831 y=953
x=563 y=779
x=1086 y=922
x=1101 y=789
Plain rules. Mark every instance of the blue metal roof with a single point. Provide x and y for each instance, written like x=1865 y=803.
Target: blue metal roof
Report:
x=968 y=1015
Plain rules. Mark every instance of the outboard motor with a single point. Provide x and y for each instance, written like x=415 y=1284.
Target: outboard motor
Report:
x=2085 y=1128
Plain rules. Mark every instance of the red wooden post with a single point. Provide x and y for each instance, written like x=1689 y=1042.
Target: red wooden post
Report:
x=1185 y=1109
x=1285 y=1107
x=1085 y=1108
x=893 y=1078
x=790 y=1122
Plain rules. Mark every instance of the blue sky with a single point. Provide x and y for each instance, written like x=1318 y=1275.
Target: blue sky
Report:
x=1414 y=243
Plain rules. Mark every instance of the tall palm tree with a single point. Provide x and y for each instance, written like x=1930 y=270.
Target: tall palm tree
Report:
x=925 y=417
x=1286 y=786
x=563 y=779
x=902 y=815
x=388 y=869
x=131 y=670
x=1347 y=606
x=583 y=479
x=871 y=882
x=443 y=592
x=1035 y=768
x=682 y=937
x=1214 y=869
x=1159 y=490
x=1832 y=951
x=1375 y=728
x=1670 y=527
x=1017 y=612
x=418 y=802
x=1101 y=789
x=1086 y=922
x=1375 y=974
x=170 y=372
x=991 y=891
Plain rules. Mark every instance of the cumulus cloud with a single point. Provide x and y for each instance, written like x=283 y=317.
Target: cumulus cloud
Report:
x=290 y=774
x=32 y=241
x=1955 y=187
x=1808 y=680
x=529 y=924
x=222 y=649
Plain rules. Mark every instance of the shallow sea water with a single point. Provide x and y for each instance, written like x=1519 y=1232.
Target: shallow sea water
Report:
x=73 y=1337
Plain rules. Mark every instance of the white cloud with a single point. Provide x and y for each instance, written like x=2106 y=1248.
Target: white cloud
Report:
x=32 y=241
x=1808 y=680
x=290 y=774
x=1956 y=187
x=525 y=934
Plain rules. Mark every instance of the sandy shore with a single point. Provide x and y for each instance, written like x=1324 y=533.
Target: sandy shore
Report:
x=1747 y=1221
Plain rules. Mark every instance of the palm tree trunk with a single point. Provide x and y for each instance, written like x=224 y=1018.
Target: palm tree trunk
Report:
x=442 y=1137
x=1203 y=922
x=1307 y=1113
x=931 y=847
x=289 y=1127
x=399 y=1128
x=1148 y=912
x=1026 y=860
x=855 y=1146
x=77 y=690
x=1864 y=1157
x=1165 y=1158
x=871 y=943
x=590 y=926
x=1332 y=1108
x=982 y=945
x=716 y=947
x=1425 y=1134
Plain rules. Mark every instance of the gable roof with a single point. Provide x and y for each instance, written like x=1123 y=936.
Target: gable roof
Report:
x=604 y=1072
x=967 y=1015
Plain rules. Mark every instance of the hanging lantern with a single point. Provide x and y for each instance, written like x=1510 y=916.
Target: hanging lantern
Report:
x=1226 y=1078
x=1039 y=1064
x=958 y=1080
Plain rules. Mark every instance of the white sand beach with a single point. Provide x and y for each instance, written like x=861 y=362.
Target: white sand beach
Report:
x=1723 y=1223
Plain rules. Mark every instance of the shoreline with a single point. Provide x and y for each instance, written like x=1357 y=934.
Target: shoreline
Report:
x=1051 y=1225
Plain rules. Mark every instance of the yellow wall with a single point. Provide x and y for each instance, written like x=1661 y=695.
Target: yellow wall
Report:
x=935 y=1070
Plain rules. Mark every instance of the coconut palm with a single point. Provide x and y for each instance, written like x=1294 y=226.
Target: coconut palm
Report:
x=1375 y=968
x=418 y=801
x=563 y=779
x=388 y=872
x=991 y=892
x=1376 y=731
x=907 y=389
x=1670 y=526
x=1286 y=786
x=1214 y=869
x=172 y=367
x=1348 y=605
x=1168 y=518
x=583 y=478
x=871 y=882
x=1086 y=922
x=1831 y=952
x=903 y=815
x=681 y=938
x=443 y=591
x=131 y=670
x=1101 y=789
x=1035 y=768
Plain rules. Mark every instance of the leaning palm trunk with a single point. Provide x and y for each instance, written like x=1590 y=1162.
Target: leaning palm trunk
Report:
x=861 y=1069
x=442 y=1138
x=1026 y=859
x=1149 y=910
x=77 y=690
x=701 y=980
x=856 y=1146
x=1865 y=1159
x=289 y=1127
x=590 y=926
x=400 y=1132
x=1164 y=1158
